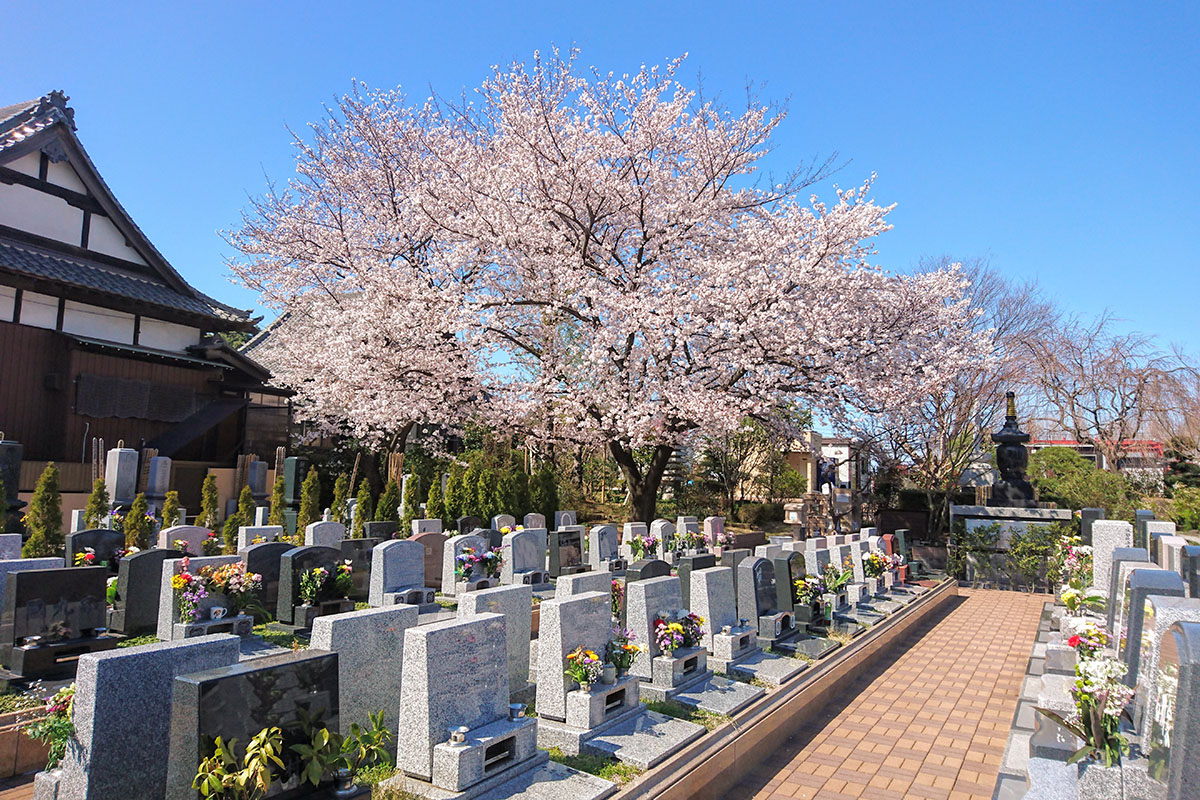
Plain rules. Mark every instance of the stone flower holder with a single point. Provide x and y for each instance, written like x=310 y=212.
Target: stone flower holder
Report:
x=679 y=667
x=591 y=707
x=305 y=614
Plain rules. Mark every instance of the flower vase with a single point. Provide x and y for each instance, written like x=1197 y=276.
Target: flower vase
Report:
x=609 y=675
x=622 y=672
x=343 y=784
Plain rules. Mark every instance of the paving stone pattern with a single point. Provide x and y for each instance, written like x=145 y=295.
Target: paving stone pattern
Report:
x=933 y=725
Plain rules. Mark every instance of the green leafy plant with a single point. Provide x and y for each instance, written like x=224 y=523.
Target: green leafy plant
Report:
x=319 y=756
x=97 y=505
x=1100 y=698
x=170 y=509
x=310 y=500
x=363 y=510
x=412 y=505
x=388 y=508
x=366 y=747
x=278 y=502
x=964 y=542
x=56 y=728
x=435 y=505
x=341 y=496
x=139 y=524
x=223 y=776
x=1030 y=553
x=44 y=518
x=209 y=516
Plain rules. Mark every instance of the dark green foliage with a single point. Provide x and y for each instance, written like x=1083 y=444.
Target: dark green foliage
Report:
x=97 y=505
x=170 y=509
x=363 y=510
x=278 y=502
x=209 y=516
x=435 y=506
x=1062 y=476
x=138 y=524
x=388 y=509
x=1029 y=555
x=43 y=521
x=412 y=505
x=982 y=540
x=543 y=493
x=341 y=495
x=759 y=514
x=454 y=494
x=310 y=501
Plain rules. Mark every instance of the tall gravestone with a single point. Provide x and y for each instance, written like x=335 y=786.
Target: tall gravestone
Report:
x=1140 y=518
x=120 y=475
x=1113 y=584
x=265 y=560
x=11 y=455
x=139 y=588
x=1107 y=535
x=458 y=577
x=566 y=551
x=714 y=531
x=1087 y=517
x=358 y=553
x=1173 y=728
x=689 y=564
x=645 y=600
x=434 y=545
x=398 y=574
x=604 y=544
x=664 y=531
x=292 y=565
x=256 y=479
x=101 y=541
x=524 y=560
x=515 y=604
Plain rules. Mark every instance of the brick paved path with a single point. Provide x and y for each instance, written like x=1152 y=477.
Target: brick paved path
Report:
x=933 y=725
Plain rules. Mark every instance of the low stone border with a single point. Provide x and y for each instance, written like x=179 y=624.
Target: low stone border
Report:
x=717 y=762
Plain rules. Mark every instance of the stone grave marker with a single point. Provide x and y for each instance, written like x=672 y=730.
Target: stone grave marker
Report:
x=731 y=557
x=51 y=615
x=714 y=530
x=456 y=678
x=262 y=516
x=1189 y=568
x=1113 y=583
x=171 y=626
x=1141 y=585
x=689 y=564
x=645 y=599
x=194 y=535
x=469 y=580
x=435 y=545
x=1170 y=548
x=294 y=563
x=77 y=524
x=101 y=541
x=1087 y=516
x=370 y=661
x=711 y=596
x=645 y=569
x=664 y=531
x=1140 y=518
x=566 y=551
x=265 y=560
x=564 y=519
x=629 y=531
x=358 y=553
x=122 y=716
x=1155 y=530
x=324 y=534
x=420 y=526
x=295 y=470
x=468 y=524
x=398 y=574
x=237 y=701
x=380 y=529
x=580 y=582
x=1107 y=535
x=524 y=560
x=758 y=598
x=139 y=583
x=1161 y=612
x=256 y=479
x=9 y=566
x=534 y=521
x=515 y=604
x=248 y=533
x=1173 y=726
x=604 y=545
x=789 y=568
x=501 y=521
x=121 y=474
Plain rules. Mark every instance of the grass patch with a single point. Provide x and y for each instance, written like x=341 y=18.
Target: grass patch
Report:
x=451 y=604
x=279 y=638
x=13 y=700
x=708 y=719
x=361 y=605
x=841 y=638
x=607 y=768
x=373 y=775
x=392 y=793
x=135 y=641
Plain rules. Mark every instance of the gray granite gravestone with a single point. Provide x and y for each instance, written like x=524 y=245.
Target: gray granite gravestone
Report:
x=714 y=530
x=645 y=600
x=194 y=535
x=398 y=574
x=571 y=585
x=262 y=516
x=370 y=649
x=1160 y=614
x=1155 y=530
x=122 y=716
x=515 y=604
x=645 y=569
x=1173 y=726
x=563 y=519
x=567 y=623
x=101 y=541
x=1120 y=555
x=1087 y=516
x=256 y=479
x=566 y=551
x=524 y=560
x=604 y=549
x=1142 y=584
x=324 y=534
x=455 y=677
x=501 y=521
x=631 y=531
x=77 y=524
x=121 y=474
x=468 y=524
x=248 y=533
x=265 y=561
x=1189 y=568
x=471 y=578
x=294 y=563
x=731 y=557
x=1107 y=535
x=420 y=526
x=689 y=564
x=664 y=531
x=534 y=521
x=168 y=606
x=139 y=584
x=238 y=701
x=711 y=595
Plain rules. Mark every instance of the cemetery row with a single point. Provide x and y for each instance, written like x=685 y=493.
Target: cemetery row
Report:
x=1119 y=700
x=433 y=667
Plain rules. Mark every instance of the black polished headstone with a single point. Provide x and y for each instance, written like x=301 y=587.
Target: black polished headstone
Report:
x=1086 y=517
x=647 y=568
x=295 y=470
x=63 y=608
x=686 y=566
x=1189 y=568
x=292 y=564
x=763 y=588
x=264 y=559
x=566 y=553
x=381 y=529
x=139 y=581
x=238 y=701
x=11 y=455
x=358 y=553
x=467 y=524
x=789 y=568
x=1140 y=518
x=103 y=543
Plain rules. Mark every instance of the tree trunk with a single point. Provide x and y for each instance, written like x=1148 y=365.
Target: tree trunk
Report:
x=643 y=488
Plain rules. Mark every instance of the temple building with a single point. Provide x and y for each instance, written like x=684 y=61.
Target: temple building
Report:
x=100 y=338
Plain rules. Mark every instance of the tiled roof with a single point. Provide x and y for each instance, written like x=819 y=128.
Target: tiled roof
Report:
x=32 y=262
x=20 y=121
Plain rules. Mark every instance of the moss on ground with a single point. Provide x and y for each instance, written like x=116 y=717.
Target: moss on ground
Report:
x=607 y=768
x=708 y=719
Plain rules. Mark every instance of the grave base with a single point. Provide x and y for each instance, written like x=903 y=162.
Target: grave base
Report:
x=475 y=584
x=489 y=750
x=645 y=740
x=770 y=669
x=423 y=788
x=410 y=596
x=881 y=605
x=719 y=695
x=572 y=740
x=303 y=616
x=54 y=659
x=549 y=781
x=811 y=646
x=241 y=625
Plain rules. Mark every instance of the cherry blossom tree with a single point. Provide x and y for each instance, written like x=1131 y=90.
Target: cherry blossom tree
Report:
x=590 y=259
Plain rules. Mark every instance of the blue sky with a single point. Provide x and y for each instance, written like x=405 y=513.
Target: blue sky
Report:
x=1060 y=140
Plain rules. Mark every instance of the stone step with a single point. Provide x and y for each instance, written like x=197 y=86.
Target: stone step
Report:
x=770 y=669
x=647 y=740
x=553 y=782
x=719 y=695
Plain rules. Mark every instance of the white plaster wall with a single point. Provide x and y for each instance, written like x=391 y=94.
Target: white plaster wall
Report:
x=37 y=212
x=103 y=237
x=161 y=335
x=28 y=164
x=64 y=175
x=7 y=297
x=98 y=323
x=39 y=310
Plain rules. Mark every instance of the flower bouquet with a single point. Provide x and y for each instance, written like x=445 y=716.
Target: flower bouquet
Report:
x=86 y=559
x=233 y=581
x=876 y=563
x=212 y=544
x=182 y=546
x=680 y=631
x=1079 y=601
x=584 y=667
x=190 y=590
x=835 y=577
x=1089 y=642
x=642 y=546
x=808 y=591
x=1100 y=697
x=618 y=597
x=620 y=651
x=469 y=563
